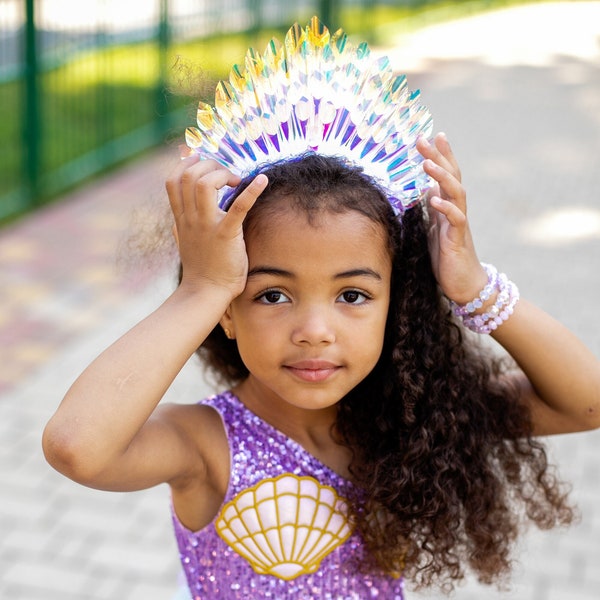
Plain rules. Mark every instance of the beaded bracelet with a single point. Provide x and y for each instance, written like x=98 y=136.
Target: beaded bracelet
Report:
x=484 y=295
x=498 y=313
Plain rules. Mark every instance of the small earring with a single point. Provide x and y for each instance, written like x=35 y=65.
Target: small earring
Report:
x=227 y=333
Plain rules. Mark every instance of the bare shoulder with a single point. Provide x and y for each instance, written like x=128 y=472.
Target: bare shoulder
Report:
x=195 y=417
x=202 y=426
x=198 y=494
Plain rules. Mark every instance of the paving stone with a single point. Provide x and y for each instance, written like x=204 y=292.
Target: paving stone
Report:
x=559 y=591
x=34 y=590
x=50 y=577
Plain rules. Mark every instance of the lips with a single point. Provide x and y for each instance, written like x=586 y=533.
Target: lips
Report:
x=313 y=371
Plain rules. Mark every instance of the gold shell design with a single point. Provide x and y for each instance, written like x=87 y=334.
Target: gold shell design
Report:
x=285 y=526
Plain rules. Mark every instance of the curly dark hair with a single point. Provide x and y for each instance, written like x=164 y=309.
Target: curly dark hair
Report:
x=441 y=446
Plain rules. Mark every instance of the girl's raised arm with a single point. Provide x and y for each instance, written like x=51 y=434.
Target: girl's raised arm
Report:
x=102 y=434
x=560 y=378
x=561 y=381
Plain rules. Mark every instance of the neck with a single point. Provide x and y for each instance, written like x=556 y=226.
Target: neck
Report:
x=312 y=429
x=294 y=421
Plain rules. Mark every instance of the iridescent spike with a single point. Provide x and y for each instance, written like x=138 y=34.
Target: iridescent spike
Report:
x=339 y=42
x=208 y=121
x=193 y=138
x=254 y=63
x=294 y=38
x=274 y=56
x=317 y=34
x=363 y=51
x=237 y=79
x=226 y=102
x=317 y=92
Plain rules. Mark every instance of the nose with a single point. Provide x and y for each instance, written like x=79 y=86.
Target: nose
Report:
x=314 y=326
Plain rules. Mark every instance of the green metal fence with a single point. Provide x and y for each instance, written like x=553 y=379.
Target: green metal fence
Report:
x=86 y=84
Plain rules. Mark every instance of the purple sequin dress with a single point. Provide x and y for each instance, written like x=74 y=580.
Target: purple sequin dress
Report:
x=282 y=531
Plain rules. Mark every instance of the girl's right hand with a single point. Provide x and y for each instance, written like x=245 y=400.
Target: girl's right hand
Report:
x=211 y=241
x=106 y=433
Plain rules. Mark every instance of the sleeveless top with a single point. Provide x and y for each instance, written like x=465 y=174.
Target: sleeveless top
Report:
x=282 y=531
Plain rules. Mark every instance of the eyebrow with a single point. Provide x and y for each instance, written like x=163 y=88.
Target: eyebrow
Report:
x=365 y=272
x=360 y=272
x=269 y=271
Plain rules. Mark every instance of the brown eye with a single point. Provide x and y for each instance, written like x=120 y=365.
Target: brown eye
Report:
x=353 y=297
x=272 y=297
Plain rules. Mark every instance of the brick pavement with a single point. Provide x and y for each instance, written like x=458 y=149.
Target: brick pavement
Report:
x=63 y=299
x=525 y=123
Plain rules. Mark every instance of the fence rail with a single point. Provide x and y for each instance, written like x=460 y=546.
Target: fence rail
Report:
x=84 y=85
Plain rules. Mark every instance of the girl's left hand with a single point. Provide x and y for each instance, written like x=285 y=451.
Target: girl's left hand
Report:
x=453 y=257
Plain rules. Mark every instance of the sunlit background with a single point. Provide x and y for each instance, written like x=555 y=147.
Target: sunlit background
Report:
x=94 y=98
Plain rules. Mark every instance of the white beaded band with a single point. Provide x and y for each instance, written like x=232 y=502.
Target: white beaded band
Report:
x=484 y=295
x=498 y=313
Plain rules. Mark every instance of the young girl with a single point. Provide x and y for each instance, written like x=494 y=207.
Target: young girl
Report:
x=365 y=437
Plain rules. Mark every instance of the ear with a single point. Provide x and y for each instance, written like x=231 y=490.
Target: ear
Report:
x=226 y=322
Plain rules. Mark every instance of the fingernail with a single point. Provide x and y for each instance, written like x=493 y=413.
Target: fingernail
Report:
x=261 y=179
x=185 y=151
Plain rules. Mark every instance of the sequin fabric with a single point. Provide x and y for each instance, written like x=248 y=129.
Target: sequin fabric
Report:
x=215 y=571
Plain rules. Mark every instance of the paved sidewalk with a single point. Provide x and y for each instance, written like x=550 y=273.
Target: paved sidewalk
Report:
x=518 y=93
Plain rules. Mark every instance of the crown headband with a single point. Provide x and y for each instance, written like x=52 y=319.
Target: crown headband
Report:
x=317 y=92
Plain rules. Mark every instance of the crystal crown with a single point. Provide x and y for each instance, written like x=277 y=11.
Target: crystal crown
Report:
x=317 y=92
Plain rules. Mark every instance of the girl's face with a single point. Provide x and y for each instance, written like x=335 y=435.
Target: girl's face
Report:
x=310 y=323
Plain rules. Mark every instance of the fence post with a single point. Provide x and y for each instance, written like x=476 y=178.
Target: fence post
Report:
x=104 y=122
x=328 y=14
x=163 y=69
x=31 y=117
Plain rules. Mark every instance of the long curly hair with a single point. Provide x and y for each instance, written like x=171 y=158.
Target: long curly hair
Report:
x=442 y=448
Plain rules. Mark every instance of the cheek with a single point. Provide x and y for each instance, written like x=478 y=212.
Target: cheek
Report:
x=254 y=338
x=367 y=339
x=245 y=321
x=379 y=331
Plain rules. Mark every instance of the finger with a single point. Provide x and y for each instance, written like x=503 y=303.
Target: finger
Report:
x=428 y=149
x=203 y=194
x=432 y=190
x=455 y=217
x=433 y=215
x=440 y=153
x=450 y=187
x=181 y=183
x=175 y=235
x=245 y=201
x=173 y=184
x=185 y=151
x=200 y=182
x=443 y=146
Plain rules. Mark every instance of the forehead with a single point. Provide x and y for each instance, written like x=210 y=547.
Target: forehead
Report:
x=340 y=239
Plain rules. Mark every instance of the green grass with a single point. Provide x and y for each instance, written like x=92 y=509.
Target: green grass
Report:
x=10 y=134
